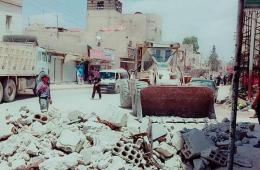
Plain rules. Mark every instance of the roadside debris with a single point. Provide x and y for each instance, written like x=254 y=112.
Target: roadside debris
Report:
x=90 y=141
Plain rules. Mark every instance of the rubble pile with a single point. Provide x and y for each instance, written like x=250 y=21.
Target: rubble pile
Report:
x=88 y=141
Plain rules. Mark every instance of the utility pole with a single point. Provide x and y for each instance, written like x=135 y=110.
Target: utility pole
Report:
x=57 y=19
x=235 y=83
x=252 y=53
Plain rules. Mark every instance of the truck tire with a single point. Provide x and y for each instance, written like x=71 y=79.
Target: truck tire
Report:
x=136 y=102
x=1 y=92
x=125 y=96
x=9 y=90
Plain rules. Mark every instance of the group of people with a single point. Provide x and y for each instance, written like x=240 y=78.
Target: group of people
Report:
x=44 y=94
x=220 y=79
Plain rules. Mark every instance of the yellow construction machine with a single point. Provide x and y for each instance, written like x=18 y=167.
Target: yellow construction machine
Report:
x=155 y=87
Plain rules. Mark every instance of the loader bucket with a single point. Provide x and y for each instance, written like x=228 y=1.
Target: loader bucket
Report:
x=186 y=102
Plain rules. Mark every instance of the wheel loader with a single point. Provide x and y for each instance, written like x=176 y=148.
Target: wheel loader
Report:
x=155 y=87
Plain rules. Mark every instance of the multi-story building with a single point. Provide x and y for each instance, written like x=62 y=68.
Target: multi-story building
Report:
x=107 y=27
x=10 y=17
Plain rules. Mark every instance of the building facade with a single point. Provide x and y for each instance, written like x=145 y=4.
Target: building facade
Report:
x=10 y=17
x=64 y=47
x=107 y=27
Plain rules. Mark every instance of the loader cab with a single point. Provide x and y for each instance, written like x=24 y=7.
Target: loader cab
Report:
x=111 y=80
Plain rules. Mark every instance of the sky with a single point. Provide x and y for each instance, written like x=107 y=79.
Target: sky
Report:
x=212 y=21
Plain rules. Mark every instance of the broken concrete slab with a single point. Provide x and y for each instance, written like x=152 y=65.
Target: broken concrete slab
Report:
x=212 y=154
x=177 y=141
x=117 y=163
x=32 y=149
x=72 y=160
x=198 y=164
x=5 y=130
x=242 y=161
x=70 y=141
x=4 y=165
x=158 y=130
x=75 y=115
x=194 y=142
x=166 y=150
x=52 y=164
x=8 y=149
x=117 y=119
x=19 y=164
x=38 y=129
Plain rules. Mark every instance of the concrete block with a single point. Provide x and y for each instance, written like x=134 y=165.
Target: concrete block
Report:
x=38 y=129
x=213 y=155
x=158 y=130
x=70 y=141
x=198 y=164
x=242 y=161
x=177 y=141
x=128 y=153
x=32 y=150
x=166 y=150
x=223 y=143
x=74 y=115
x=194 y=142
x=117 y=119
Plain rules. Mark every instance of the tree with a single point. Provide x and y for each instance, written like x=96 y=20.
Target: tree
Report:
x=192 y=40
x=213 y=62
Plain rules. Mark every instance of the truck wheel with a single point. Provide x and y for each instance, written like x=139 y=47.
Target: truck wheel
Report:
x=125 y=97
x=136 y=104
x=9 y=90
x=1 y=92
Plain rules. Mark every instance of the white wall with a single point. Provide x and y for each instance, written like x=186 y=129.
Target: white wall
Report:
x=13 y=10
x=124 y=28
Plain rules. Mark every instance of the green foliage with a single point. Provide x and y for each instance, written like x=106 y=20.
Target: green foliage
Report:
x=213 y=60
x=192 y=40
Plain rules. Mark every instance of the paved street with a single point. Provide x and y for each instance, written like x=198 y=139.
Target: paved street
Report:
x=69 y=100
x=80 y=99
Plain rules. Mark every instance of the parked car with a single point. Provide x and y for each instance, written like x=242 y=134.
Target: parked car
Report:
x=110 y=80
x=205 y=83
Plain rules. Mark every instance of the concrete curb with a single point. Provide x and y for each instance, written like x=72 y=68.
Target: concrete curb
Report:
x=72 y=86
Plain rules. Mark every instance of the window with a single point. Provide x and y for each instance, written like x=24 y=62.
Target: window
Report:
x=100 y=5
x=8 y=22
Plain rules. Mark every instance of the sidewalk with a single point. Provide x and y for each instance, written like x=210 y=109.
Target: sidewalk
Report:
x=63 y=86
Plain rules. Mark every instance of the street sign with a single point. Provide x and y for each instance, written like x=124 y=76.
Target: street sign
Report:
x=252 y=3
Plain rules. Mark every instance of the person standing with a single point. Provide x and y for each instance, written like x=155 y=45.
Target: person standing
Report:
x=43 y=91
x=96 y=87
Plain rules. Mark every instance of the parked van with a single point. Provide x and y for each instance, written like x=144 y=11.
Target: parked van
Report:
x=110 y=80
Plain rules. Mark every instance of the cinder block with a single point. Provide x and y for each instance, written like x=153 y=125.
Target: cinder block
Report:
x=194 y=142
x=212 y=154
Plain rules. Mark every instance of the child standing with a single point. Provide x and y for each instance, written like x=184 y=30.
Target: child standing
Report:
x=43 y=91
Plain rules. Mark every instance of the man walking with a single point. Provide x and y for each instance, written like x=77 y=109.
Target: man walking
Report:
x=96 y=87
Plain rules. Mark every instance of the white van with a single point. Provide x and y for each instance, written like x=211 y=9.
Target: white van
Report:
x=110 y=80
